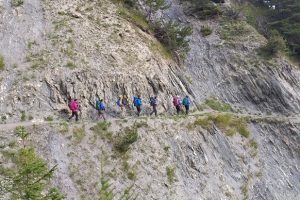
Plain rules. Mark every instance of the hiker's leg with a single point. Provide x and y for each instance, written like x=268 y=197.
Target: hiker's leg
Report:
x=72 y=115
x=76 y=114
x=139 y=110
x=155 y=110
x=178 y=110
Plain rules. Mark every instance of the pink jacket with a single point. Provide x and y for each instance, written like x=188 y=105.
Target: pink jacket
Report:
x=74 y=106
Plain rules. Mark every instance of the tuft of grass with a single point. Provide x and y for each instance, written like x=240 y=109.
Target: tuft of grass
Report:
x=2 y=63
x=64 y=127
x=49 y=118
x=253 y=144
x=79 y=134
x=17 y=3
x=228 y=123
x=206 y=31
x=101 y=129
x=23 y=116
x=135 y=17
x=233 y=29
x=128 y=137
x=218 y=106
x=141 y=124
x=171 y=174
x=71 y=65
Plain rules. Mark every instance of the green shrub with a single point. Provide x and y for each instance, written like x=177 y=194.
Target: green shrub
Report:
x=203 y=9
x=23 y=116
x=101 y=129
x=17 y=3
x=275 y=44
x=174 y=36
x=128 y=137
x=71 y=65
x=49 y=119
x=107 y=192
x=206 y=31
x=28 y=176
x=218 y=106
x=79 y=134
x=2 y=63
x=228 y=123
x=171 y=174
x=233 y=29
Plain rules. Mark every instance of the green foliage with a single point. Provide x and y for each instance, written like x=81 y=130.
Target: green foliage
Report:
x=2 y=63
x=21 y=132
x=49 y=118
x=29 y=176
x=228 y=123
x=218 y=106
x=253 y=144
x=63 y=127
x=282 y=16
x=128 y=137
x=203 y=9
x=23 y=116
x=71 y=65
x=233 y=29
x=173 y=36
x=206 y=31
x=17 y=3
x=101 y=129
x=107 y=192
x=135 y=17
x=171 y=174
x=275 y=44
x=79 y=134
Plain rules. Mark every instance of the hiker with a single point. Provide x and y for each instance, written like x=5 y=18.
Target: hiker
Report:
x=186 y=102
x=100 y=106
x=153 y=103
x=120 y=103
x=177 y=103
x=75 y=108
x=137 y=102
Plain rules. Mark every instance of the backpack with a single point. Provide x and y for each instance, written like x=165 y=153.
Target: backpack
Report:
x=102 y=106
x=73 y=106
x=98 y=105
x=119 y=102
x=137 y=102
x=176 y=101
x=186 y=102
x=153 y=101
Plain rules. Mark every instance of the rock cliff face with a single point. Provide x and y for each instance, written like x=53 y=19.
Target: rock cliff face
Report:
x=56 y=50
x=78 y=49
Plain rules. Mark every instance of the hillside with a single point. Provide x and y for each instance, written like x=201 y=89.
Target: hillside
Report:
x=241 y=140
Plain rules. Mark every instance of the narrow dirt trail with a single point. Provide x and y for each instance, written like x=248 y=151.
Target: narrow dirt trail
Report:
x=261 y=116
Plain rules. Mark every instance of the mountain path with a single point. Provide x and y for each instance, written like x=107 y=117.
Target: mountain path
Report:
x=259 y=116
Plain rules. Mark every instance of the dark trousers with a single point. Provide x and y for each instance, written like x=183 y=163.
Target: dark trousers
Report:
x=139 y=109
x=101 y=114
x=187 y=109
x=178 y=109
x=154 y=110
x=74 y=113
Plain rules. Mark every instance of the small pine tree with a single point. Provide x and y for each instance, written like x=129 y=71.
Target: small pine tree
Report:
x=29 y=177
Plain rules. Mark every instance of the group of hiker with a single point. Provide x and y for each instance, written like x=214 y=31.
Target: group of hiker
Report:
x=123 y=104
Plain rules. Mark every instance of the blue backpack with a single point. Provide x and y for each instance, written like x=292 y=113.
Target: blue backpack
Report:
x=100 y=105
x=153 y=101
x=186 y=102
x=137 y=101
